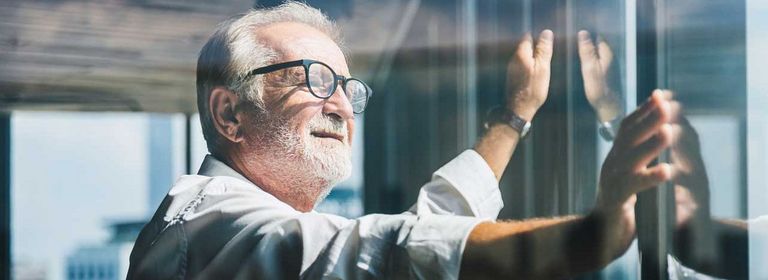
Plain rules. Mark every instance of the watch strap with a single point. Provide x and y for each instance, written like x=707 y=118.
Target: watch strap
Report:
x=501 y=115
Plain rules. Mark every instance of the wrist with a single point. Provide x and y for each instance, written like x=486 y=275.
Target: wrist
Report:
x=606 y=114
x=608 y=107
x=616 y=226
x=523 y=104
x=526 y=112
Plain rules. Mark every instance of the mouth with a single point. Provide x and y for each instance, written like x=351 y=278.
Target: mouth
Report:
x=328 y=135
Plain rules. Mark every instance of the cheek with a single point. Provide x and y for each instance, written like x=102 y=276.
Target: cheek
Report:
x=303 y=119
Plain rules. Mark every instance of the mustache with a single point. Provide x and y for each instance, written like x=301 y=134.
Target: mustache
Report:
x=328 y=124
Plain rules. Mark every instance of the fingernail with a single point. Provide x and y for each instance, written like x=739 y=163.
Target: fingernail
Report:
x=547 y=34
x=656 y=92
x=583 y=35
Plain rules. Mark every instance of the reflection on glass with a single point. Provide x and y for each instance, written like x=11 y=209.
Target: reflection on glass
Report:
x=713 y=246
x=436 y=66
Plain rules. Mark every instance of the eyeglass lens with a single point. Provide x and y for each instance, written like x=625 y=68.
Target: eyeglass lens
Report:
x=321 y=81
x=357 y=93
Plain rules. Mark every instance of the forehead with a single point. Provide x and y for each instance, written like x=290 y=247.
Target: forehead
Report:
x=294 y=41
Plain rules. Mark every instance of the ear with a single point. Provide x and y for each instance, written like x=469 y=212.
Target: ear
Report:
x=226 y=118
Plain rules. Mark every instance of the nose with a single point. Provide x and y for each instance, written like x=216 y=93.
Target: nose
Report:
x=339 y=105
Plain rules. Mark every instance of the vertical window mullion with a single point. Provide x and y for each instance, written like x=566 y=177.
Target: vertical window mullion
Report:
x=5 y=196
x=655 y=209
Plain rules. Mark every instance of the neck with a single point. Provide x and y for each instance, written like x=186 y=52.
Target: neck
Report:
x=288 y=183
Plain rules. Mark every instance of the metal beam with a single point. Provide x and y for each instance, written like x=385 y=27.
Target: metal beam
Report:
x=654 y=208
x=188 y=143
x=5 y=196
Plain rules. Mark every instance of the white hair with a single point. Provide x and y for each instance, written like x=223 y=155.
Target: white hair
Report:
x=234 y=49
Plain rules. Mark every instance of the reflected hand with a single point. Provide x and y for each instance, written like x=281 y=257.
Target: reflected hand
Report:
x=692 y=183
x=528 y=74
x=596 y=65
x=643 y=135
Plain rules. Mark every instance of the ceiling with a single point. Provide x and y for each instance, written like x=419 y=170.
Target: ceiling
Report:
x=140 y=55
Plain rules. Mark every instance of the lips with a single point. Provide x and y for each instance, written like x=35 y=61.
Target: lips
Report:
x=323 y=134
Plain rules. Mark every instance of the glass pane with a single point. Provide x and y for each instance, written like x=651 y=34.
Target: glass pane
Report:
x=84 y=185
x=703 y=59
x=757 y=135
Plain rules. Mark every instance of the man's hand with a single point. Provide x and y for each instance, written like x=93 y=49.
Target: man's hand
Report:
x=555 y=248
x=692 y=184
x=626 y=171
x=527 y=86
x=715 y=247
x=528 y=74
x=597 y=70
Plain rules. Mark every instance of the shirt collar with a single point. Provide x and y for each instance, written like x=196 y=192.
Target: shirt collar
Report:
x=212 y=167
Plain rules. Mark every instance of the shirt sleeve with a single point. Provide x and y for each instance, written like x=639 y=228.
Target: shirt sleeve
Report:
x=465 y=186
x=322 y=246
x=403 y=246
x=425 y=243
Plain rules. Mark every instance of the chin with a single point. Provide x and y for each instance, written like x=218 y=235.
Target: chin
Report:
x=330 y=177
x=333 y=166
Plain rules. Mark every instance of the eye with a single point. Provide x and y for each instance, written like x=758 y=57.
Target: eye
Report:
x=315 y=80
x=288 y=77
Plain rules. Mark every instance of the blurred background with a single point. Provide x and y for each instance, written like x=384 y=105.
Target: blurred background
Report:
x=99 y=115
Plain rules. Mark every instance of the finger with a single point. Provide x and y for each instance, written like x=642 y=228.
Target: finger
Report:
x=587 y=51
x=544 y=46
x=653 y=176
x=675 y=111
x=647 y=127
x=641 y=156
x=676 y=133
x=605 y=53
x=525 y=48
x=641 y=112
x=637 y=127
x=632 y=134
x=667 y=94
x=682 y=194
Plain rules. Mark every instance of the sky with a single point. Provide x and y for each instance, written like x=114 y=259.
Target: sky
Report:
x=72 y=172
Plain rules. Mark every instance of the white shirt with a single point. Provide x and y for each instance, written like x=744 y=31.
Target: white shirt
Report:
x=219 y=225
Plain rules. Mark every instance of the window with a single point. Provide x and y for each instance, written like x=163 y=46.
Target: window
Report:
x=103 y=117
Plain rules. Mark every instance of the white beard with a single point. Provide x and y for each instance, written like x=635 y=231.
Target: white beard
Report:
x=312 y=166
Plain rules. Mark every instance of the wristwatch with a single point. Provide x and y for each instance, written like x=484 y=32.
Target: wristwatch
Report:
x=609 y=129
x=501 y=115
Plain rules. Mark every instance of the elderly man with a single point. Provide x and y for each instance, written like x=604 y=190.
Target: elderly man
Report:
x=277 y=108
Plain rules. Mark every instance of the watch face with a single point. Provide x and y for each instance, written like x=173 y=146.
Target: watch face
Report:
x=606 y=133
x=526 y=128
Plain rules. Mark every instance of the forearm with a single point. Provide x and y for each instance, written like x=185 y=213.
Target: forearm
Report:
x=497 y=146
x=717 y=247
x=540 y=249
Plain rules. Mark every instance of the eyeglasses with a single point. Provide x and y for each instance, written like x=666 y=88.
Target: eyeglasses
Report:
x=321 y=81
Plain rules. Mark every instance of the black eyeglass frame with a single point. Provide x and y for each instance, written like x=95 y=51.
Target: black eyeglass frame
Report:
x=306 y=63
